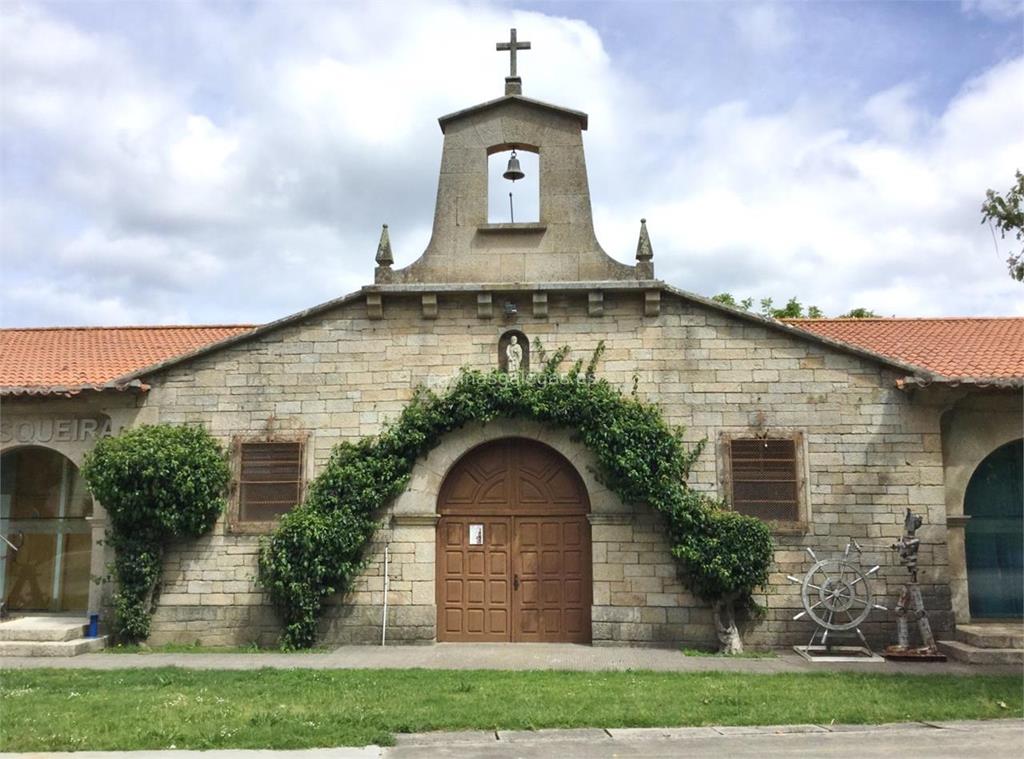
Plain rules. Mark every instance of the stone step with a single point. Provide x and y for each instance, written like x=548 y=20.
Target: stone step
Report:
x=965 y=652
x=994 y=635
x=43 y=629
x=52 y=647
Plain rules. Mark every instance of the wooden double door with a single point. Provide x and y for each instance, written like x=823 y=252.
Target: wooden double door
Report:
x=513 y=547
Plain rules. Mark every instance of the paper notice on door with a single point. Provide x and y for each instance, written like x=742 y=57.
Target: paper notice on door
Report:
x=476 y=534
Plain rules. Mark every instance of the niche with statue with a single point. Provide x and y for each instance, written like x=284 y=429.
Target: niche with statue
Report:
x=514 y=353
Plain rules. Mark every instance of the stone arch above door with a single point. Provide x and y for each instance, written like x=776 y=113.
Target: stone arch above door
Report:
x=419 y=501
x=513 y=475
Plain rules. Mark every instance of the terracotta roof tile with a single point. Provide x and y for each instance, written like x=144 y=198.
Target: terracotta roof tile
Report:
x=979 y=348
x=76 y=357
x=73 y=357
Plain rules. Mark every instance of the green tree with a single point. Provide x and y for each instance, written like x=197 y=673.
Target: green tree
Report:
x=793 y=309
x=1007 y=214
x=859 y=313
x=157 y=483
x=728 y=300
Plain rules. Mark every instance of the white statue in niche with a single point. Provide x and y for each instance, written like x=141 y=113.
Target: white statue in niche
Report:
x=514 y=354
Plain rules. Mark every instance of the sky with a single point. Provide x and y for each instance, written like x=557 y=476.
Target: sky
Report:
x=232 y=162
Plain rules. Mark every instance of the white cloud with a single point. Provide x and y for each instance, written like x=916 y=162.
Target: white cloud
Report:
x=893 y=114
x=793 y=203
x=201 y=154
x=139 y=262
x=766 y=27
x=253 y=187
x=999 y=10
x=56 y=304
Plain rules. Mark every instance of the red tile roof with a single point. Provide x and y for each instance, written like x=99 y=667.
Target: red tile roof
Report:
x=59 y=359
x=975 y=348
x=63 y=358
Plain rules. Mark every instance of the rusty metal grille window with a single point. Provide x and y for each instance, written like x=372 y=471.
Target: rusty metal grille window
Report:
x=270 y=481
x=764 y=479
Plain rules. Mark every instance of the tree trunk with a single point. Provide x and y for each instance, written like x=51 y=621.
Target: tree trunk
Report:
x=725 y=625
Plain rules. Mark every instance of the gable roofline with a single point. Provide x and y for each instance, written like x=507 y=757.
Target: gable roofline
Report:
x=891 y=319
x=68 y=391
x=579 y=116
x=917 y=373
x=59 y=360
x=780 y=326
x=964 y=349
x=998 y=383
x=126 y=328
x=263 y=329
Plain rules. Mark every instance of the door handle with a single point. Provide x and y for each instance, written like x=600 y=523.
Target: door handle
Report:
x=515 y=582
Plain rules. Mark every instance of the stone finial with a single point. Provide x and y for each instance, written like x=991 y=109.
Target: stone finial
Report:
x=384 y=257
x=644 y=251
x=644 y=254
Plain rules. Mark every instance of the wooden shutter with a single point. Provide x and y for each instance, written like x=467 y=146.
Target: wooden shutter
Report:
x=764 y=479
x=270 y=482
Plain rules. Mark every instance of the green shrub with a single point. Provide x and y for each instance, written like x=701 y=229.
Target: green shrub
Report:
x=317 y=551
x=157 y=483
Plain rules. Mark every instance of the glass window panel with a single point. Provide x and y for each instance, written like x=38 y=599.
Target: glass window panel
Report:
x=33 y=481
x=79 y=501
x=75 y=572
x=29 y=580
x=37 y=481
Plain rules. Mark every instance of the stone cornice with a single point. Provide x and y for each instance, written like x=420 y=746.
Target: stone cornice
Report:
x=518 y=287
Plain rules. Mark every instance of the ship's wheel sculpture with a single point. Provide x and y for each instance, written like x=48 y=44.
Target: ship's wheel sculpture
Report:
x=836 y=594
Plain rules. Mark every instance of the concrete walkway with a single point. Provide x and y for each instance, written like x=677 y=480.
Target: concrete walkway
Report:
x=521 y=656
x=936 y=740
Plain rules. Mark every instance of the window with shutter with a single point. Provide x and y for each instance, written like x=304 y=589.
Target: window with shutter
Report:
x=270 y=479
x=765 y=482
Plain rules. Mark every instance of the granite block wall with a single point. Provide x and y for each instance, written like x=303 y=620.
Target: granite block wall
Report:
x=871 y=451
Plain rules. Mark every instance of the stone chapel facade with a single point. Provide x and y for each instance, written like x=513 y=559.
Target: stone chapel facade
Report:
x=504 y=533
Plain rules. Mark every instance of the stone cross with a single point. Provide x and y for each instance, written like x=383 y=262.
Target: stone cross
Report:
x=512 y=46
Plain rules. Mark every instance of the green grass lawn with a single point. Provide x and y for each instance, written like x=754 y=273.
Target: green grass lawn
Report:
x=61 y=710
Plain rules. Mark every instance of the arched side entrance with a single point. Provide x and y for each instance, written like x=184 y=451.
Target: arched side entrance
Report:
x=994 y=535
x=513 y=547
x=44 y=510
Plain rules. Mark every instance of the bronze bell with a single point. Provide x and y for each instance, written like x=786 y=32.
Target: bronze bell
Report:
x=513 y=171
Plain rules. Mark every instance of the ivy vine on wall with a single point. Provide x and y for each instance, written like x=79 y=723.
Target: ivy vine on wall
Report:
x=317 y=549
x=157 y=483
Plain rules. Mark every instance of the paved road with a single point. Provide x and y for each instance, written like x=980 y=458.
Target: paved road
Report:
x=952 y=740
x=521 y=656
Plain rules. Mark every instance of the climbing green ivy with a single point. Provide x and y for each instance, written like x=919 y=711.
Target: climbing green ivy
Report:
x=317 y=550
x=157 y=483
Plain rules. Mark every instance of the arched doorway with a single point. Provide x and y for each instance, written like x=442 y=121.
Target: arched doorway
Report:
x=513 y=547
x=44 y=507
x=994 y=536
